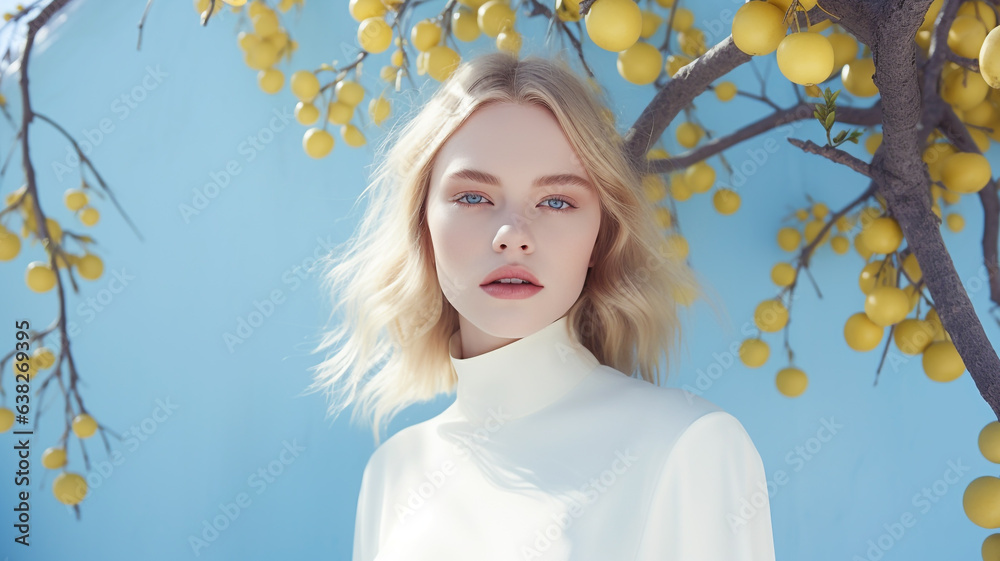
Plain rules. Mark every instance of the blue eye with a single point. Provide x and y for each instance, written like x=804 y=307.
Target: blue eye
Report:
x=478 y=198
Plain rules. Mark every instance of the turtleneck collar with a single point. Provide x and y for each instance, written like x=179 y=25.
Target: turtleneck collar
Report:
x=521 y=377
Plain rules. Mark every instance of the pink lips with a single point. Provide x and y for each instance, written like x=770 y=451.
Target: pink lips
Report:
x=511 y=272
x=511 y=291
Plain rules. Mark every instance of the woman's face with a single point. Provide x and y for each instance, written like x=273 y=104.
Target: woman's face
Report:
x=528 y=202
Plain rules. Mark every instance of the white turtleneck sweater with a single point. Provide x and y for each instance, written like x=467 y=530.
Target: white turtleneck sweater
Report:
x=547 y=454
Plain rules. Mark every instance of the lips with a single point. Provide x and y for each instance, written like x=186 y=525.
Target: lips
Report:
x=511 y=272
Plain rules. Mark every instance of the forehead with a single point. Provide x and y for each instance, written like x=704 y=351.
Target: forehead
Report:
x=509 y=138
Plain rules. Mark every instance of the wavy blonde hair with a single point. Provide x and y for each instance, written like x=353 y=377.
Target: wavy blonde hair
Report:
x=396 y=322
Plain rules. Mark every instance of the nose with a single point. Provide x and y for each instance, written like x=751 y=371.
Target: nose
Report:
x=513 y=235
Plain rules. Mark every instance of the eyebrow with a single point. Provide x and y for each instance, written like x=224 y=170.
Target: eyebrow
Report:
x=490 y=179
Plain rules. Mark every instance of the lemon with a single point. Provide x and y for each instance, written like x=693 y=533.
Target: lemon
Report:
x=90 y=266
x=783 y=274
x=965 y=172
x=966 y=36
x=364 y=9
x=663 y=218
x=789 y=238
x=873 y=141
x=6 y=419
x=54 y=458
x=349 y=92
x=10 y=245
x=758 y=28
x=677 y=247
x=352 y=136
x=317 y=142
x=271 y=80
x=496 y=15
x=955 y=222
x=963 y=89
x=791 y=382
x=887 y=305
x=771 y=315
x=650 y=22
x=845 y=48
x=812 y=229
x=931 y=317
x=912 y=268
x=465 y=27
x=979 y=10
x=374 y=35
x=861 y=333
x=43 y=358
x=805 y=58
x=725 y=91
x=991 y=547
x=726 y=201
x=69 y=488
x=442 y=61
x=912 y=336
x=425 y=34
x=74 y=199
x=614 y=25
x=679 y=188
x=265 y=23
x=304 y=85
x=688 y=134
x=989 y=58
x=840 y=244
x=754 y=353
x=84 y=425
x=89 y=216
x=883 y=235
x=683 y=19
x=306 y=113
x=982 y=501
x=40 y=277
x=989 y=442
x=261 y=55
x=388 y=72
x=857 y=77
x=691 y=41
x=675 y=63
x=931 y=14
x=699 y=177
x=640 y=63
x=379 y=109
x=941 y=361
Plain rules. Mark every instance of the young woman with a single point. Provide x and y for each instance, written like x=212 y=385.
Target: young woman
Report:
x=508 y=255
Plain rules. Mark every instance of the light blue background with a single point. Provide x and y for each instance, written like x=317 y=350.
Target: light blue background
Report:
x=160 y=338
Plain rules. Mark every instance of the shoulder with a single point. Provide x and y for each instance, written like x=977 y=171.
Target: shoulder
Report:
x=651 y=404
x=408 y=446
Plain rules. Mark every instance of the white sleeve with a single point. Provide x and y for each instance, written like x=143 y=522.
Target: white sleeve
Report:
x=711 y=501
x=369 y=512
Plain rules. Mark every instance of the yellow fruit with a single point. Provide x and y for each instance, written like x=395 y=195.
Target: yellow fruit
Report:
x=75 y=199
x=89 y=216
x=688 y=134
x=979 y=10
x=873 y=141
x=857 y=77
x=791 y=382
x=84 y=426
x=754 y=353
x=887 y=305
x=271 y=80
x=317 y=142
x=931 y=317
x=90 y=266
x=352 y=136
x=379 y=109
x=663 y=218
x=677 y=247
x=805 y=58
x=442 y=61
x=965 y=172
x=306 y=113
x=699 y=177
x=40 y=277
x=883 y=235
x=6 y=419
x=912 y=336
x=349 y=92
x=783 y=274
x=69 y=488
x=657 y=153
x=260 y=55
x=813 y=228
x=758 y=28
x=679 y=189
x=981 y=501
x=650 y=22
x=54 y=458
x=966 y=36
x=725 y=91
x=941 y=361
x=912 y=268
x=364 y=9
x=388 y=72
x=614 y=25
x=339 y=113
x=683 y=19
x=789 y=238
x=931 y=14
x=305 y=85
x=509 y=40
x=465 y=27
x=691 y=41
x=861 y=333
x=10 y=245
x=425 y=34
x=640 y=63
x=955 y=222
x=726 y=201
x=43 y=358
x=840 y=244
x=771 y=315
x=989 y=58
x=654 y=187
x=991 y=547
x=374 y=35
x=675 y=63
x=963 y=89
x=989 y=442
x=845 y=48
x=496 y=15
x=265 y=23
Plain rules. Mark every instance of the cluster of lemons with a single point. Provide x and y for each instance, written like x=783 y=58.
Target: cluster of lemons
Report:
x=981 y=500
x=39 y=275
x=68 y=487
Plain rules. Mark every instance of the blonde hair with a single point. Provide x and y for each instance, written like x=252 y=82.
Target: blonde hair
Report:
x=396 y=321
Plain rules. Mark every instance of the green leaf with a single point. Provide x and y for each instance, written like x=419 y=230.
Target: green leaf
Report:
x=818 y=116
x=840 y=137
x=835 y=94
x=829 y=119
